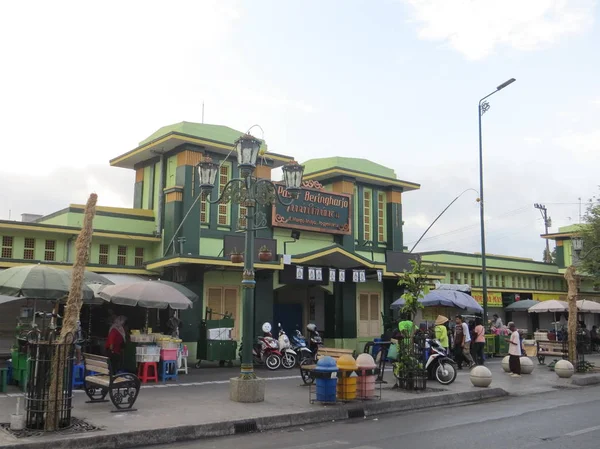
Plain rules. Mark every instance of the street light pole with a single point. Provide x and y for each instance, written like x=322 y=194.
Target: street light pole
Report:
x=250 y=192
x=484 y=106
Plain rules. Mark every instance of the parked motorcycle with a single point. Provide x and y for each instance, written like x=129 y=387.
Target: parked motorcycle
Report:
x=288 y=355
x=305 y=355
x=439 y=365
x=315 y=340
x=266 y=350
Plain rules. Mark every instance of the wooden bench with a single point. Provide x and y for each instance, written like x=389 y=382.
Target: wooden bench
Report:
x=306 y=370
x=551 y=348
x=123 y=389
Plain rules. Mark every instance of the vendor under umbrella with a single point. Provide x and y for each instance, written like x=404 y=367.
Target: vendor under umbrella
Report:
x=116 y=341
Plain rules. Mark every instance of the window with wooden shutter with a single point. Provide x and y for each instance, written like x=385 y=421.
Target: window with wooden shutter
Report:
x=223 y=300
x=223 y=208
x=7 y=247
x=367 y=215
x=122 y=255
x=369 y=323
x=103 y=254
x=381 y=231
x=50 y=250
x=29 y=251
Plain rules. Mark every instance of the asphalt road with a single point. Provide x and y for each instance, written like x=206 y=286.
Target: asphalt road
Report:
x=561 y=419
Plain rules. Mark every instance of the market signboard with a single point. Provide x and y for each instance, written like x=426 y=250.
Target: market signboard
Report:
x=494 y=299
x=314 y=210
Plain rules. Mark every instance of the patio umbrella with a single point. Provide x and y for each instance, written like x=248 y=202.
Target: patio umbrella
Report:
x=149 y=294
x=552 y=305
x=89 y=277
x=521 y=306
x=38 y=282
x=445 y=298
x=587 y=306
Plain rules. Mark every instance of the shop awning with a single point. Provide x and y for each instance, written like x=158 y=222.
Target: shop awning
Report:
x=333 y=257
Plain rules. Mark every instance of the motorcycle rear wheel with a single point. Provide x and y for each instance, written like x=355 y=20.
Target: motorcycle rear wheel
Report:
x=273 y=362
x=288 y=361
x=445 y=373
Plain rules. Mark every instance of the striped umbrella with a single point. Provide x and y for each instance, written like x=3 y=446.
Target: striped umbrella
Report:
x=38 y=282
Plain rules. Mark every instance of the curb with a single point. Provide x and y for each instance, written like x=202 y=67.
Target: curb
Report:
x=196 y=432
x=586 y=380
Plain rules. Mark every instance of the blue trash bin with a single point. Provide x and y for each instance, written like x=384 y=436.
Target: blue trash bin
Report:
x=325 y=379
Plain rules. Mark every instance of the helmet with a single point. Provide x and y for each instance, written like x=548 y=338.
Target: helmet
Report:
x=311 y=327
x=266 y=327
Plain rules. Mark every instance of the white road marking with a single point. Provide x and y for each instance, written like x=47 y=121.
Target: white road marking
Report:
x=582 y=431
x=320 y=444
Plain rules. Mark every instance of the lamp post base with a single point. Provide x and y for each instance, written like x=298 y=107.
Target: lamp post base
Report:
x=246 y=390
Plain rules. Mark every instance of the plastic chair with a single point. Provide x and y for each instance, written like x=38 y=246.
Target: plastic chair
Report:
x=148 y=371
x=168 y=370
x=78 y=375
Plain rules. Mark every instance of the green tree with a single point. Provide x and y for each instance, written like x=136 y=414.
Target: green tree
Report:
x=590 y=233
x=415 y=287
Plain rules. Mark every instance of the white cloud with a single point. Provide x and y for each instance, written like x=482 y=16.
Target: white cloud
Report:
x=584 y=146
x=531 y=140
x=476 y=27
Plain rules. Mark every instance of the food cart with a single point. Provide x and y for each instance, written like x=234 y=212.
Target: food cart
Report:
x=215 y=342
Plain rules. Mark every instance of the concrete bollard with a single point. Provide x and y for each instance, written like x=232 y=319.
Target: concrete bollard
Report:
x=564 y=369
x=481 y=376
x=505 y=364
x=527 y=365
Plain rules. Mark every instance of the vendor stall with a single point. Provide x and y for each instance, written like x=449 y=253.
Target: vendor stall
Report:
x=216 y=343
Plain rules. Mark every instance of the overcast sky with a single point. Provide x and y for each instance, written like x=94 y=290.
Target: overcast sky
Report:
x=395 y=81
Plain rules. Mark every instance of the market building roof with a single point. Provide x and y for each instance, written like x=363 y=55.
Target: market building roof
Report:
x=358 y=168
x=218 y=138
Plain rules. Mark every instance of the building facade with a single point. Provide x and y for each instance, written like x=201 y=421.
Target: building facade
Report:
x=338 y=249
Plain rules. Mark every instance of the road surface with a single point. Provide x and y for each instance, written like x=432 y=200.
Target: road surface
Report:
x=560 y=419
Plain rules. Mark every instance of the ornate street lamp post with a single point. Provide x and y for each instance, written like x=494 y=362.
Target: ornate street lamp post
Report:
x=484 y=106
x=250 y=192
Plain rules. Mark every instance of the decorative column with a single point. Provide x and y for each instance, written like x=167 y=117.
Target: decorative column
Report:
x=394 y=219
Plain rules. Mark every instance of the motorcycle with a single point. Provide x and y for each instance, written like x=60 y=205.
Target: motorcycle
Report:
x=288 y=355
x=266 y=350
x=315 y=340
x=439 y=365
x=305 y=355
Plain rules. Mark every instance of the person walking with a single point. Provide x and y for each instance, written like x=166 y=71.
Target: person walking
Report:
x=466 y=341
x=514 y=351
x=441 y=332
x=479 y=332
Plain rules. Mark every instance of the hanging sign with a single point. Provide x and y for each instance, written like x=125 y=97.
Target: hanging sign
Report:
x=362 y=276
x=354 y=275
x=319 y=274
x=314 y=210
x=299 y=273
x=379 y=275
x=311 y=274
x=331 y=275
x=342 y=275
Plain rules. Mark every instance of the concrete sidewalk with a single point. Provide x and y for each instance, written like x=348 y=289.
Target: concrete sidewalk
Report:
x=192 y=410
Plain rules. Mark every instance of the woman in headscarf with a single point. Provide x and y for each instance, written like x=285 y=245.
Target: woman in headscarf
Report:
x=441 y=331
x=115 y=342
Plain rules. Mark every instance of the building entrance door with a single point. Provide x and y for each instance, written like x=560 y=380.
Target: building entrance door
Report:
x=290 y=317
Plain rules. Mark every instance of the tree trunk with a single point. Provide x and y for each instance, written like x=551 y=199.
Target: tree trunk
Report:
x=572 y=283
x=71 y=314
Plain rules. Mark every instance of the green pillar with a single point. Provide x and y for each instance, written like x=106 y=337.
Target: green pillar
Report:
x=263 y=300
x=394 y=220
x=173 y=216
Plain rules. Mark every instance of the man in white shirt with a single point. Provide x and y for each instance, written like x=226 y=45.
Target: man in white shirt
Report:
x=466 y=343
x=514 y=351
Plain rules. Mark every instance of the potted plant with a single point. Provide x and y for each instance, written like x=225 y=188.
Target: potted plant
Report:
x=265 y=254
x=236 y=256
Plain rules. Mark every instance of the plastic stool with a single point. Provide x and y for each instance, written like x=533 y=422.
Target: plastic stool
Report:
x=168 y=370
x=78 y=375
x=183 y=368
x=148 y=371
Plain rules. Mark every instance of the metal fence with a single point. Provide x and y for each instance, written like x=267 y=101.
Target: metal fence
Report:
x=409 y=369
x=48 y=399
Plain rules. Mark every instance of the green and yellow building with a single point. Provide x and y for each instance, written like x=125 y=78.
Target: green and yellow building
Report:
x=348 y=221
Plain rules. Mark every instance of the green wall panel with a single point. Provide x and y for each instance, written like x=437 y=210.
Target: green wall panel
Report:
x=263 y=300
x=191 y=318
x=137 y=195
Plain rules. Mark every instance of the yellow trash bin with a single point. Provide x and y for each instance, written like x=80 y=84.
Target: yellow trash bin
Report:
x=346 y=386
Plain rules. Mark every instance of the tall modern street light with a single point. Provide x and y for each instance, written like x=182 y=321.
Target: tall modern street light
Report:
x=250 y=192
x=484 y=106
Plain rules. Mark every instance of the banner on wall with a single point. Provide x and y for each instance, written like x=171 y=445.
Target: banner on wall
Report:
x=332 y=275
x=545 y=296
x=494 y=298
x=342 y=275
x=299 y=273
x=319 y=274
x=311 y=274
x=379 y=275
